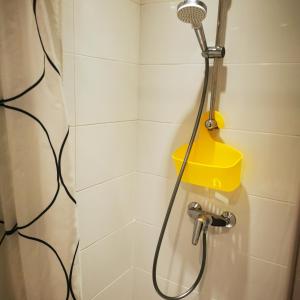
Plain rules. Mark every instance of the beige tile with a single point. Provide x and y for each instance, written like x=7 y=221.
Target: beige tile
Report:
x=99 y=267
x=256 y=233
x=105 y=208
x=108 y=29
x=68 y=25
x=104 y=151
x=120 y=289
x=247 y=278
x=253 y=39
x=164 y=39
x=106 y=91
x=156 y=142
x=169 y=41
x=179 y=263
x=171 y=93
x=143 y=287
x=271 y=162
x=262 y=98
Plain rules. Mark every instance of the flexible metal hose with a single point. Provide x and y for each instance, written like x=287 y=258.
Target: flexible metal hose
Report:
x=172 y=200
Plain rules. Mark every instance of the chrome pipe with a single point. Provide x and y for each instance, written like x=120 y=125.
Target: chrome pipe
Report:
x=211 y=123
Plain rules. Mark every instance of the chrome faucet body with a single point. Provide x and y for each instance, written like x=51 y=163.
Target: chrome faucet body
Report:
x=203 y=219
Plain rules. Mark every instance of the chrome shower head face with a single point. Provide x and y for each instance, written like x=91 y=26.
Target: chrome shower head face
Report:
x=192 y=11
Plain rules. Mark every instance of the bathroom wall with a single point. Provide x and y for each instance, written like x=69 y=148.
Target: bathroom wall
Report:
x=259 y=97
x=101 y=52
x=132 y=78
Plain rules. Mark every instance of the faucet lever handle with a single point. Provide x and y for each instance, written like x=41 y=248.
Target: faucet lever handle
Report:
x=198 y=225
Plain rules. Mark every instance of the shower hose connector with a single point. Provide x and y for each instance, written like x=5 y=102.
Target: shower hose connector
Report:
x=214 y=52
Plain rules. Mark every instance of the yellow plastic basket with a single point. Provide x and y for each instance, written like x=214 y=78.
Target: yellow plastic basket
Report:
x=211 y=163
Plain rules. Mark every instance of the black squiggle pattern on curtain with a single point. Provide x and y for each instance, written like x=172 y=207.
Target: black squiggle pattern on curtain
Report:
x=57 y=161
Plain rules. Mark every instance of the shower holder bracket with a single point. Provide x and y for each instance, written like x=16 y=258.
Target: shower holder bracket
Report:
x=214 y=52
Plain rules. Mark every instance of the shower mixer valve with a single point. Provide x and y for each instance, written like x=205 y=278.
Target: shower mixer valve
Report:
x=204 y=219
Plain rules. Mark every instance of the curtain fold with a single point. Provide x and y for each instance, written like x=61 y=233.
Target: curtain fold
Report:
x=38 y=229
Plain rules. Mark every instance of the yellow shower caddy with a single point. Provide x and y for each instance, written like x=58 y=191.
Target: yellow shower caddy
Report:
x=211 y=164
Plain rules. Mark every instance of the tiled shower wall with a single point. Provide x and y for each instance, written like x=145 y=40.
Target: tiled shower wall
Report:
x=132 y=102
x=259 y=97
x=101 y=45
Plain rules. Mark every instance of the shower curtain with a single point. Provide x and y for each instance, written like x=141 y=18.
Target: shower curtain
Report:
x=38 y=233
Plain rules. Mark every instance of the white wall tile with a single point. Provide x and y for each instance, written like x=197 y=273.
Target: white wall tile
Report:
x=152 y=198
x=263 y=31
x=271 y=163
x=262 y=98
x=255 y=232
x=248 y=39
x=120 y=289
x=68 y=25
x=69 y=86
x=106 y=91
x=249 y=278
x=156 y=141
x=169 y=93
x=165 y=39
x=179 y=262
x=143 y=287
x=105 y=261
x=105 y=208
x=104 y=151
x=107 y=29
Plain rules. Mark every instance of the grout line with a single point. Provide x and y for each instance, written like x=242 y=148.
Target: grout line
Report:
x=107 y=59
x=223 y=129
x=165 y=279
x=262 y=132
x=107 y=122
x=142 y=222
x=262 y=64
x=266 y=261
x=263 y=197
x=106 y=236
x=159 y=122
x=106 y=181
x=266 y=198
x=136 y=2
x=113 y=282
x=156 y=227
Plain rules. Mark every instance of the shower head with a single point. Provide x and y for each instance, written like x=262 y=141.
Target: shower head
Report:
x=192 y=11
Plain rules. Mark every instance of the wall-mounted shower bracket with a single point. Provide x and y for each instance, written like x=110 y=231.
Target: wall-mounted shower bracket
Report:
x=214 y=52
x=211 y=123
x=203 y=219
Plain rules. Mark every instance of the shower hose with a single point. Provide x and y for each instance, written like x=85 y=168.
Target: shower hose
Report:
x=172 y=200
